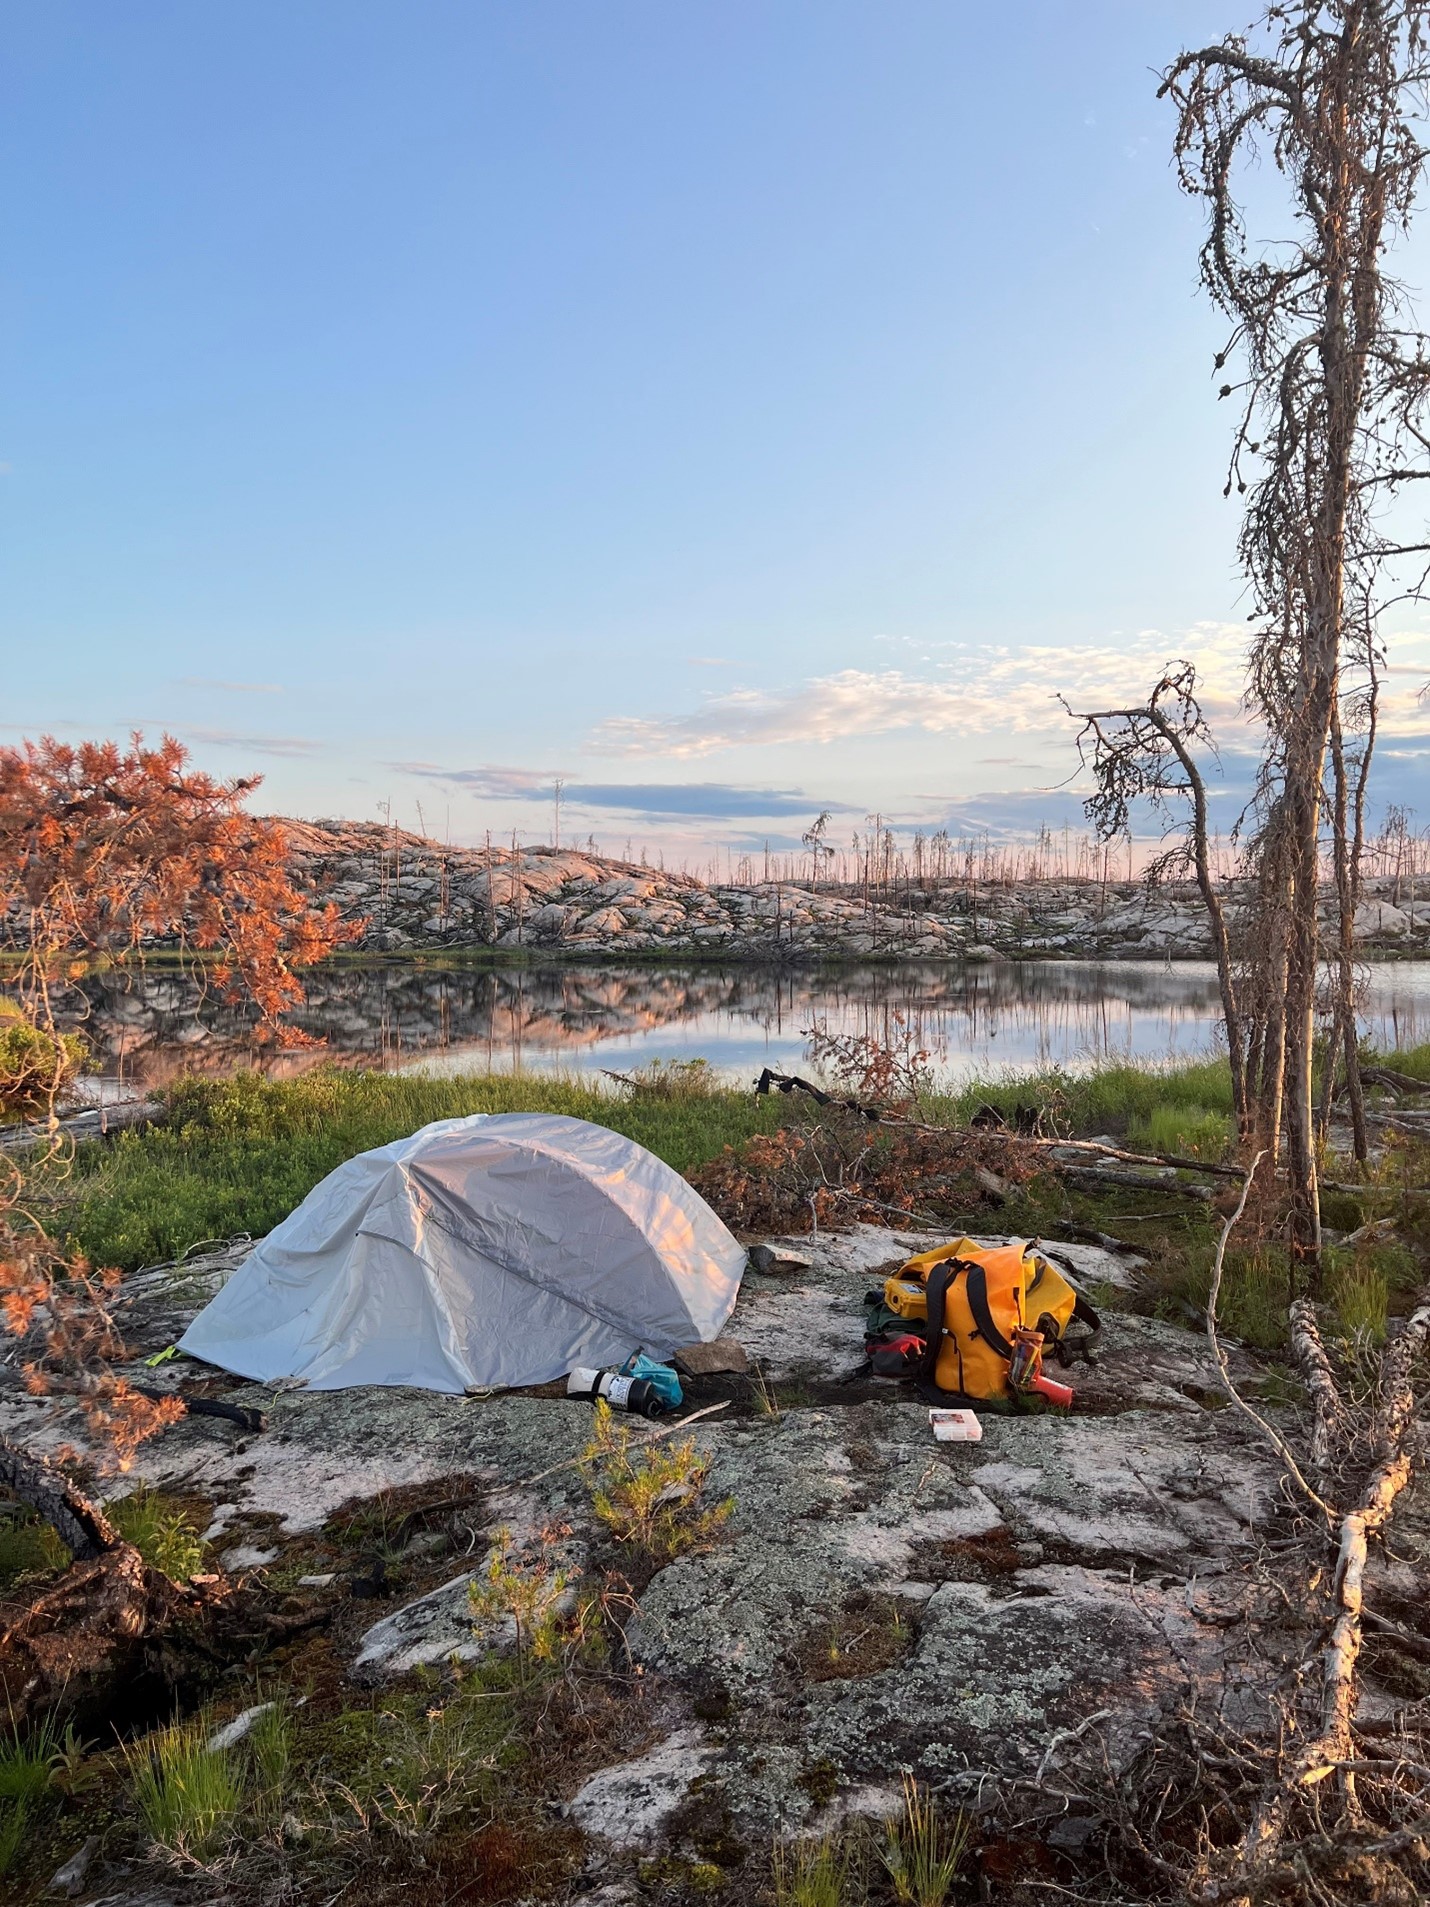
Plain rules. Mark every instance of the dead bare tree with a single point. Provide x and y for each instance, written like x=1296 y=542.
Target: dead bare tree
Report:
x=1331 y=432
x=813 y=839
x=1350 y=773
x=1145 y=753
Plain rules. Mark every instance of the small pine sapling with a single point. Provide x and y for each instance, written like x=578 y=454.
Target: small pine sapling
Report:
x=649 y=1496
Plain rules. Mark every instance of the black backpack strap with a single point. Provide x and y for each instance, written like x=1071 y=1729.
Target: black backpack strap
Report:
x=940 y=1277
x=1084 y=1348
x=982 y=1315
x=1083 y=1313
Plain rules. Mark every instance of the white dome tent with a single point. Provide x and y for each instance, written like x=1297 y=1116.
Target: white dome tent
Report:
x=497 y=1250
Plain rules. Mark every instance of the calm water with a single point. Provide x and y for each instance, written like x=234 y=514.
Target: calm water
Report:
x=976 y=1019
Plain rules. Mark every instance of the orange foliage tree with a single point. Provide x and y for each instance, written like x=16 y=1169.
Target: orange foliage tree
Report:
x=106 y=852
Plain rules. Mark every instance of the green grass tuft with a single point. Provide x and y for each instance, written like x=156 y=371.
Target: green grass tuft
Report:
x=27 y=1769
x=1105 y=1099
x=1255 y=1293
x=270 y=1750
x=187 y=1794
x=821 y=1873
x=924 y=1850
x=28 y=1547
x=1360 y=1296
x=1191 y=1131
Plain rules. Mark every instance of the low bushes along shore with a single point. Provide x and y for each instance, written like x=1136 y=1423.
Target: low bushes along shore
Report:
x=236 y=1156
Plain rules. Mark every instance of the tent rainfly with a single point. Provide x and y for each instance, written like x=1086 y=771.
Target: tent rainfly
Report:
x=498 y=1250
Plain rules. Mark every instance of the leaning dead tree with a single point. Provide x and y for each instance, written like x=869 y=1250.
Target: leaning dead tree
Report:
x=1146 y=753
x=1331 y=434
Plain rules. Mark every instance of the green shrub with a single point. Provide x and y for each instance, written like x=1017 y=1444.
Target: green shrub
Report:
x=1342 y=1211
x=166 y=1537
x=187 y=1794
x=649 y=1497
x=532 y=1596
x=1412 y=1060
x=35 y=1066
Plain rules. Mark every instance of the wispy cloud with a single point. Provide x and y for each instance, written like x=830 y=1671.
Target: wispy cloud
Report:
x=229 y=688
x=492 y=784
x=707 y=800
x=974 y=691
x=287 y=745
x=978 y=691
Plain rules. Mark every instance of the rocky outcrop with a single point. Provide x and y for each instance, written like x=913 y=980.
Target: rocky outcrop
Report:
x=413 y=893
x=876 y=1599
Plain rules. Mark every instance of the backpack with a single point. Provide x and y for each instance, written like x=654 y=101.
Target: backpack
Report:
x=967 y=1300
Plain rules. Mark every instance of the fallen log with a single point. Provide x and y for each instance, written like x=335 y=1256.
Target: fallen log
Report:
x=1393 y=1081
x=1329 y=1421
x=1094 y=1175
x=81 y=1526
x=1125 y=1157
x=1331 y=1751
x=99 y=1122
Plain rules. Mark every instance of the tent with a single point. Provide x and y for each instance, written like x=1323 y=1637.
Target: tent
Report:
x=496 y=1250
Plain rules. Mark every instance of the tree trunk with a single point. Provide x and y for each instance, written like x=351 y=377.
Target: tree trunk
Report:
x=80 y=1525
x=1216 y=919
x=1348 y=846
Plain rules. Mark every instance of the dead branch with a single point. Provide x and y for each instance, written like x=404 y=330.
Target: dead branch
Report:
x=1109 y=1175
x=1146 y=754
x=1141 y=1158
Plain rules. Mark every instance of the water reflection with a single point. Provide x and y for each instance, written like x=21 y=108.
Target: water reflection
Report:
x=148 y=1028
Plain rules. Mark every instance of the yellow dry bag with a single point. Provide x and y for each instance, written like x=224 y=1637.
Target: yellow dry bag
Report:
x=973 y=1298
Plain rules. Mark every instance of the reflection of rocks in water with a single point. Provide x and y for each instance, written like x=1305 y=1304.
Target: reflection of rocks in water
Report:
x=151 y=1027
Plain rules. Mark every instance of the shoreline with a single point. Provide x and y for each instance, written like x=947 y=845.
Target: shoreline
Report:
x=415 y=895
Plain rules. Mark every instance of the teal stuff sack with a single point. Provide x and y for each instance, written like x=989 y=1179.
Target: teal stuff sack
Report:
x=660 y=1377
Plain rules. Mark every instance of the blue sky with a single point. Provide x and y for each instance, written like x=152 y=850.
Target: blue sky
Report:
x=736 y=409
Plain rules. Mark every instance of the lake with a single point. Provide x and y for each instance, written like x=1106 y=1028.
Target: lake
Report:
x=978 y=1018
